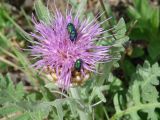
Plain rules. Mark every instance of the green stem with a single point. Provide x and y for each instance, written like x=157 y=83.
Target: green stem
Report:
x=76 y=95
x=134 y=108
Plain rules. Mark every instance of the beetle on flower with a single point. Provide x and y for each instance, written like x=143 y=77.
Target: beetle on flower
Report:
x=59 y=55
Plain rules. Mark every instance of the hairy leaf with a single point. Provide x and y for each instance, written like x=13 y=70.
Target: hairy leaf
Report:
x=142 y=94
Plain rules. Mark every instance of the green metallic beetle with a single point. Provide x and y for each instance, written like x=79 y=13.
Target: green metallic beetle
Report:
x=78 y=65
x=72 y=32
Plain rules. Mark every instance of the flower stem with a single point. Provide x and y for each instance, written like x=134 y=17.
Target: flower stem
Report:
x=76 y=95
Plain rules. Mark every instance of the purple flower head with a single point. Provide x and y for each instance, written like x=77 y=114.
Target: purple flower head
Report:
x=56 y=51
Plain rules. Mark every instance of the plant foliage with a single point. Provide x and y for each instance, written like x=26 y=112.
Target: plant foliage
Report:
x=104 y=96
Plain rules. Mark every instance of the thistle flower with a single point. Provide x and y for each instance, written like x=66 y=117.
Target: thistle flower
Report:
x=58 y=53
